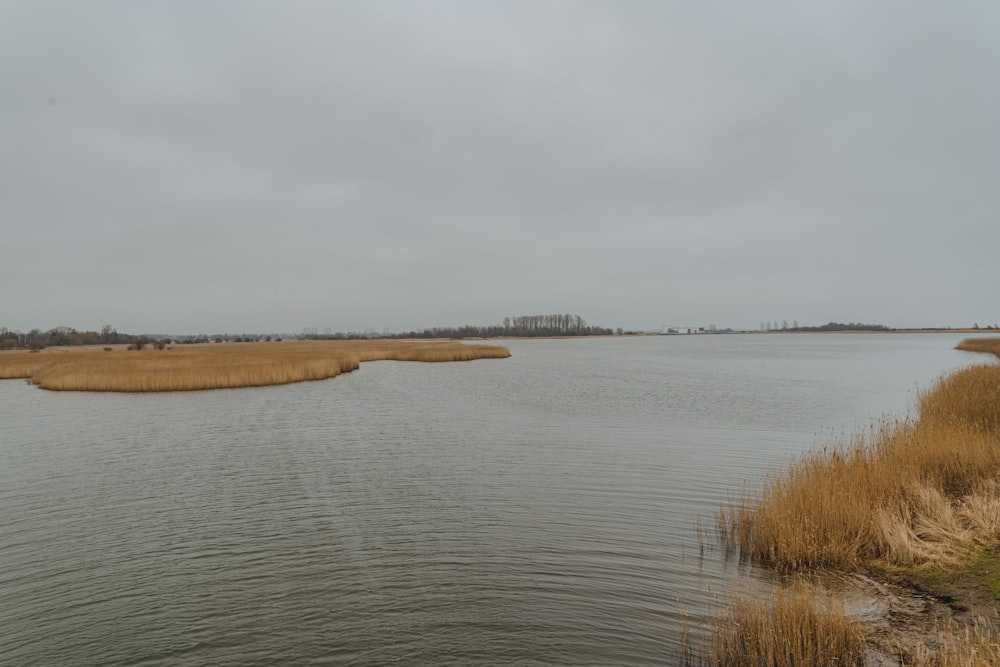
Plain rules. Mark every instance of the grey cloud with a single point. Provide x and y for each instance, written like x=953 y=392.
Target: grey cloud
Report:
x=398 y=164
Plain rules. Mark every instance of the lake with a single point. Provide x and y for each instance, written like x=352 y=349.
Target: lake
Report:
x=537 y=510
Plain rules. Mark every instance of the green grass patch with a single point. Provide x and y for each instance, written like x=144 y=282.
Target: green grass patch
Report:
x=973 y=583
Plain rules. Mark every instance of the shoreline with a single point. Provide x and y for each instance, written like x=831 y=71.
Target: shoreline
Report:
x=907 y=515
x=199 y=367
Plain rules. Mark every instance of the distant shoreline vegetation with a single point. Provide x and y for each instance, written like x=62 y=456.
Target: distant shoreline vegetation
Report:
x=912 y=501
x=840 y=326
x=522 y=326
x=208 y=366
x=774 y=327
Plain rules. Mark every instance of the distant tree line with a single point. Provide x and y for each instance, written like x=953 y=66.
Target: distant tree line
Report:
x=525 y=326
x=853 y=326
x=36 y=339
x=521 y=326
x=840 y=326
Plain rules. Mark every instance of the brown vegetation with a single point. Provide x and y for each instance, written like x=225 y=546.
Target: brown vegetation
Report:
x=988 y=345
x=907 y=494
x=974 y=645
x=907 y=491
x=217 y=366
x=797 y=626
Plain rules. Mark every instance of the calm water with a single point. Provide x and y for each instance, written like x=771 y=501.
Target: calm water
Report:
x=533 y=510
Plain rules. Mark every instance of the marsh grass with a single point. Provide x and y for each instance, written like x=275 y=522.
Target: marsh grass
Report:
x=974 y=645
x=909 y=492
x=797 y=626
x=906 y=491
x=987 y=345
x=969 y=398
x=218 y=366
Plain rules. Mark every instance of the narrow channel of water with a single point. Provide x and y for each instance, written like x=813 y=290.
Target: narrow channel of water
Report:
x=534 y=510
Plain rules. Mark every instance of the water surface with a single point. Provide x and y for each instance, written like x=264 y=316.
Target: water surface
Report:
x=534 y=510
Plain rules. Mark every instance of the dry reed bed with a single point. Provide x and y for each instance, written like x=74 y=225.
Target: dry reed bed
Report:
x=906 y=491
x=910 y=492
x=219 y=366
x=798 y=626
x=976 y=645
x=801 y=625
x=988 y=345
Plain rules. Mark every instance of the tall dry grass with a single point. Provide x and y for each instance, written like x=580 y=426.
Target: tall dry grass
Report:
x=218 y=366
x=975 y=645
x=906 y=491
x=797 y=626
x=802 y=625
x=988 y=345
x=969 y=398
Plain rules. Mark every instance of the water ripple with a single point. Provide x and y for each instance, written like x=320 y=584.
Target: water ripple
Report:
x=539 y=510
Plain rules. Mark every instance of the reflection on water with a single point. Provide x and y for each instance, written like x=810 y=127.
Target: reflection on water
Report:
x=534 y=510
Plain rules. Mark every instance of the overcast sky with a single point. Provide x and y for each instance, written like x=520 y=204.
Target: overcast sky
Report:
x=194 y=166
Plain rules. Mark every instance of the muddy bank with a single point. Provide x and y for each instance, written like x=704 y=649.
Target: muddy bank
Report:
x=906 y=517
x=901 y=623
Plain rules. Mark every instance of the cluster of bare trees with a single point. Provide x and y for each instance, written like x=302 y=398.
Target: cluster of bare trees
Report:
x=830 y=326
x=850 y=326
x=519 y=326
x=775 y=326
x=550 y=325
x=37 y=339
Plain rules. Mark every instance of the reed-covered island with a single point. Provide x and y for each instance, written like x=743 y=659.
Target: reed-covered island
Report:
x=219 y=366
x=912 y=501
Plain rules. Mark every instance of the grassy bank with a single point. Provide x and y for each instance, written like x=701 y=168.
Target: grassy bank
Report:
x=907 y=497
x=218 y=366
x=906 y=491
x=802 y=625
x=798 y=626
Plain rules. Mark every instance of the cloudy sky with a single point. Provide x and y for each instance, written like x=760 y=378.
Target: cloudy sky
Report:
x=237 y=166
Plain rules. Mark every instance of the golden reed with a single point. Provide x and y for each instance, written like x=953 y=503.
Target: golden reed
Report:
x=220 y=365
x=797 y=626
x=907 y=492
